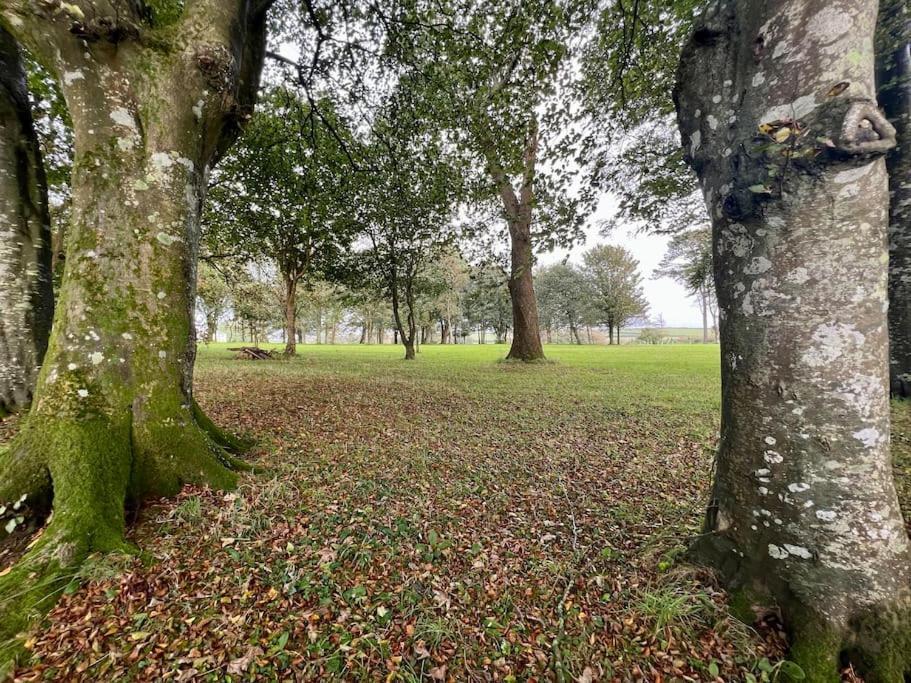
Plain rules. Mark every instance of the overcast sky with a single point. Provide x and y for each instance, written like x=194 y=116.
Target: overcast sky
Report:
x=665 y=296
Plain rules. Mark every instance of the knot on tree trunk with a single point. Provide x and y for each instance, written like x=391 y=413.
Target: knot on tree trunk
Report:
x=218 y=66
x=864 y=130
x=839 y=130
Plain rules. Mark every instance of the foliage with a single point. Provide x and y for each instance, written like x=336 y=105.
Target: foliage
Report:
x=404 y=207
x=282 y=193
x=629 y=68
x=566 y=298
x=617 y=285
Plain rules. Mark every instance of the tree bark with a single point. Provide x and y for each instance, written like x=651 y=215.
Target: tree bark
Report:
x=804 y=515
x=526 y=339
x=26 y=283
x=113 y=416
x=574 y=332
x=894 y=75
x=703 y=304
x=290 y=314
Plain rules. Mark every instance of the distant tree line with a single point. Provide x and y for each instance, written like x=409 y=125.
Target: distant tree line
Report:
x=452 y=302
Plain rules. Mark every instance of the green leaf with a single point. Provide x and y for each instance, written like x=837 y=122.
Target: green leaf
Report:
x=792 y=670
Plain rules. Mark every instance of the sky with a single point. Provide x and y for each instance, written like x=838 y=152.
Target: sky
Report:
x=665 y=296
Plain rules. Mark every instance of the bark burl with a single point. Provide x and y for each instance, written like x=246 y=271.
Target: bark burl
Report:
x=777 y=111
x=156 y=91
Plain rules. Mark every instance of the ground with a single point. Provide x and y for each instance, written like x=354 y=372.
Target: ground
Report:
x=455 y=518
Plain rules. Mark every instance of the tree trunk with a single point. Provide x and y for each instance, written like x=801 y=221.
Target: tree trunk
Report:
x=703 y=304
x=211 y=326
x=26 y=283
x=574 y=333
x=526 y=340
x=113 y=416
x=290 y=314
x=804 y=515
x=363 y=339
x=894 y=72
x=610 y=334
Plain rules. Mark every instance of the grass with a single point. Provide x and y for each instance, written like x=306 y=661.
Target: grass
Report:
x=455 y=518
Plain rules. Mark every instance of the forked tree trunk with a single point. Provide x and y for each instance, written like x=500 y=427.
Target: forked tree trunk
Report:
x=894 y=72
x=290 y=314
x=787 y=143
x=113 y=417
x=519 y=210
x=26 y=287
x=574 y=333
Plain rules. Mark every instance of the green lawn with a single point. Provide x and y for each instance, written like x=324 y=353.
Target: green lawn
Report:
x=455 y=518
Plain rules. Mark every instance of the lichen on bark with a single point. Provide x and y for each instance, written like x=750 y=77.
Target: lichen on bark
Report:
x=776 y=105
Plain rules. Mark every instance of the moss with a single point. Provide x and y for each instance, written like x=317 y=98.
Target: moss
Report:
x=165 y=12
x=171 y=449
x=816 y=649
x=89 y=463
x=742 y=602
x=229 y=442
x=882 y=643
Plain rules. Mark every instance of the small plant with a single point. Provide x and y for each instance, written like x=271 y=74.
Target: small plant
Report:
x=784 y=671
x=435 y=548
x=189 y=511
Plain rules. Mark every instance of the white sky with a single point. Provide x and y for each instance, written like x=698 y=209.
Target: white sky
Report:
x=665 y=296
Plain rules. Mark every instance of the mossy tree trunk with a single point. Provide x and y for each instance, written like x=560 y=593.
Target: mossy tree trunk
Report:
x=156 y=91
x=26 y=287
x=894 y=75
x=776 y=105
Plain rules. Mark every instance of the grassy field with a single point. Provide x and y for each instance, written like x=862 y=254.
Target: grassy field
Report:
x=456 y=518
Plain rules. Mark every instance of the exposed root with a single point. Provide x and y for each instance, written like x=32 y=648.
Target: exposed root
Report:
x=230 y=443
x=90 y=467
x=877 y=641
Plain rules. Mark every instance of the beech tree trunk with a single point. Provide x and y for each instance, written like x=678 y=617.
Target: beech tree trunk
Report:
x=894 y=75
x=787 y=143
x=26 y=283
x=154 y=96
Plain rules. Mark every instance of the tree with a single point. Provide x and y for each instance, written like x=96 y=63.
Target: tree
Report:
x=614 y=277
x=26 y=287
x=156 y=91
x=628 y=67
x=688 y=261
x=451 y=275
x=894 y=80
x=213 y=297
x=487 y=303
x=803 y=515
x=565 y=297
x=495 y=72
x=405 y=206
x=280 y=194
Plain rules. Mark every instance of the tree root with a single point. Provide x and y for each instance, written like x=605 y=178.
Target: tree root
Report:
x=89 y=468
x=876 y=641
